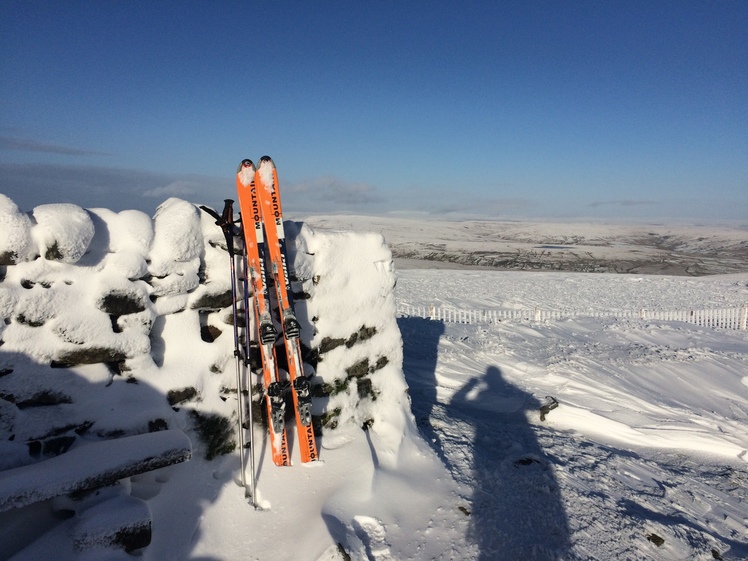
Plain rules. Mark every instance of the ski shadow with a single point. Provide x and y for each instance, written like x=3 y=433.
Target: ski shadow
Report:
x=517 y=511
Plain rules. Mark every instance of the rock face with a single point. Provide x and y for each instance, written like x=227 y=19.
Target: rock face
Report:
x=111 y=324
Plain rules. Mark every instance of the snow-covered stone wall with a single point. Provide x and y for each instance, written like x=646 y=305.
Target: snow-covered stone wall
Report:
x=348 y=310
x=116 y=324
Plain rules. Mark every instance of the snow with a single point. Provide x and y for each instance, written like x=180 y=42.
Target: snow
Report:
x=568 y=291
x=177 y=242
x=16 y=243
x=638 y=248
x=351 y=281
x=74 y=471
x=267 y=177
x=63 y=228
x=246 y=175
x=446 y=458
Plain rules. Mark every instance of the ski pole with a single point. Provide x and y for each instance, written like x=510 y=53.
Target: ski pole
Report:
x=226 y=222
x=247 y=368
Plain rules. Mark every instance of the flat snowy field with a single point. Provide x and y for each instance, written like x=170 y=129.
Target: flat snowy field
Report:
x=649 y=438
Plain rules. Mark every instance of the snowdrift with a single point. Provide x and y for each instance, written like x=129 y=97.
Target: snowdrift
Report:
x=116 y=324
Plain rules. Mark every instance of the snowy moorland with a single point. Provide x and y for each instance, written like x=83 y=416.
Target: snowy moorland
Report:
x=580 y=438
x=649 y=248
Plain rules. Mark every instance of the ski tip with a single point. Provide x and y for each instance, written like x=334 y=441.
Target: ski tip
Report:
x=246 y=172
x=266 y=173
x=246 y=163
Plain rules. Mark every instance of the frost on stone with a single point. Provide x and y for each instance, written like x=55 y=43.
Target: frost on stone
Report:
x=177 y=236
x=214 y=291
x=355 y=341
x=122 y=522
x=176 y=249
x=63 y=231
x=16 y=244
x=92 y=466
x=37 y=306
x=123 y=300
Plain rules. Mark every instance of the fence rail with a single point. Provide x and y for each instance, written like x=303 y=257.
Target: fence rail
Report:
x=725 y=318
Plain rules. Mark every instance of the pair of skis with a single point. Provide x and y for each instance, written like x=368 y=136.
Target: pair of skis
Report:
x=266 y=265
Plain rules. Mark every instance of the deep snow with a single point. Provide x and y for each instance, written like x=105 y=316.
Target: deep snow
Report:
x=644 y=457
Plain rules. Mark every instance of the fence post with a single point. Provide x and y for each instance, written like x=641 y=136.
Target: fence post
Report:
x=743 y=317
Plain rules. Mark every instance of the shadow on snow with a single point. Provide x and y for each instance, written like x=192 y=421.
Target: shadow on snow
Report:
x=516 y=508
x=44 y=412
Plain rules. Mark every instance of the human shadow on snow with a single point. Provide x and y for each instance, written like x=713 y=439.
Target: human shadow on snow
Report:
x=516 y=510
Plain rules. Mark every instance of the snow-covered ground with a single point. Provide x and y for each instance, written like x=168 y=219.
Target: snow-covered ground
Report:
x=612 y=247
x=649 y=437
x=644 y=457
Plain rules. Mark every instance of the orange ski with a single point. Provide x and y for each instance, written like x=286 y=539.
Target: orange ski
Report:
x=266 y=179
x=254 y=271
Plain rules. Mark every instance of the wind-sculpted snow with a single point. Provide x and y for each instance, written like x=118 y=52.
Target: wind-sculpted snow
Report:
x=64 y=231
x=645 y=455
x=349 y=283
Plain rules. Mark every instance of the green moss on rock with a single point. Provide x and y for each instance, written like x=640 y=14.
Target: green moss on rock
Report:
x=215 y=432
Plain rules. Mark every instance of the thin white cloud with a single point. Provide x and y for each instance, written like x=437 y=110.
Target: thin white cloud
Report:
x=179 y=188
x=340 y=190
x=32 y=184
x=484 y=206
x=330 y=193
x=622 y=203
x=24 y=145
x=29 y=185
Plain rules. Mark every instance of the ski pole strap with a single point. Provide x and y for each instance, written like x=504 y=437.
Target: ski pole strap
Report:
x=226 y=221
x=226 y=218
x=214 y=214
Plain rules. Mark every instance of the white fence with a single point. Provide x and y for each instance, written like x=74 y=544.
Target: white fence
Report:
x=725 y=318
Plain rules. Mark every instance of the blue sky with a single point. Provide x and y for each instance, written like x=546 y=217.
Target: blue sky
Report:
x=501 y=108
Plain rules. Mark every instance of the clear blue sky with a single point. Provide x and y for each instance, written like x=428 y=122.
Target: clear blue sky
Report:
x=503 y=108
